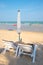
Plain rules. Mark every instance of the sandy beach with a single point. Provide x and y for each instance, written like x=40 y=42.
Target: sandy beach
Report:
x=27 y=37
x=21 y=32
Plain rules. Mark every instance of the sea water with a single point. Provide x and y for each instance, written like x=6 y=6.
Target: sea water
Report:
x=22 y=22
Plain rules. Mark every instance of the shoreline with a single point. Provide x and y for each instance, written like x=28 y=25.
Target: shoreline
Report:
x=24 y=27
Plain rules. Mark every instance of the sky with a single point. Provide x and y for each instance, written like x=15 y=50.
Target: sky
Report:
x=31 y=10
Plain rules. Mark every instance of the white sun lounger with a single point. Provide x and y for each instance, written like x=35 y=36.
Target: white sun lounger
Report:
x=8 y=45
x=29 y=50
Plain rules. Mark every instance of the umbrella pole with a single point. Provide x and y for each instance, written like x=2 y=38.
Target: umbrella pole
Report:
x=19 y=36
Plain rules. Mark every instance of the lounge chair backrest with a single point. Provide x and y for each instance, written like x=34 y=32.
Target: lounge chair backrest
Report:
x=27 y=48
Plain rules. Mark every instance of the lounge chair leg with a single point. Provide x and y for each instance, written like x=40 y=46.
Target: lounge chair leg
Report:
x=17 y=50
x=34 y=54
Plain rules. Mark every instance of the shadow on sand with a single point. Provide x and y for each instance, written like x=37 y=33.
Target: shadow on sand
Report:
x=25 y=60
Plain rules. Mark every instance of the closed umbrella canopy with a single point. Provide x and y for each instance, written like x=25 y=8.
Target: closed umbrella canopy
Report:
x=18 y=22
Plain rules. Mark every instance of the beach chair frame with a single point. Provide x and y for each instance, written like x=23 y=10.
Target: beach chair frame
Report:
x=33 y=54
x=8 y=45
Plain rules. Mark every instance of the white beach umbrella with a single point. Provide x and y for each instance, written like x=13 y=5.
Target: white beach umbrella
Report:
x=18 y=24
